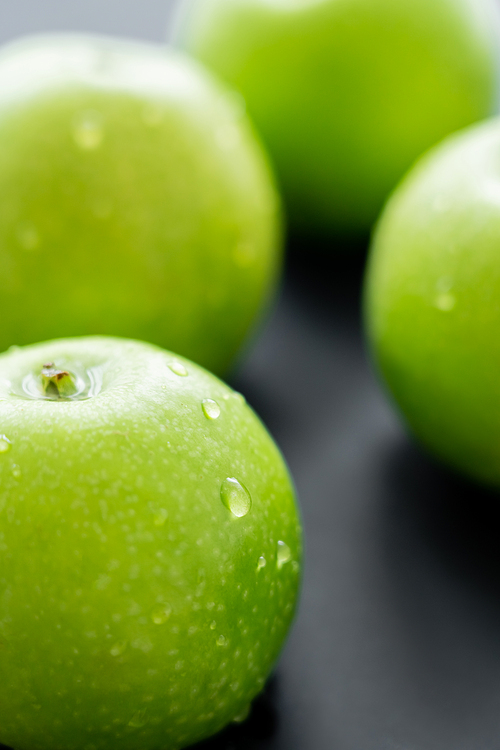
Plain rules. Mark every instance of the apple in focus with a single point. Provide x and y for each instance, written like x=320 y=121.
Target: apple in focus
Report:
x=150 y=548
x=348 y=93
x=432 y=300
x=136 y=200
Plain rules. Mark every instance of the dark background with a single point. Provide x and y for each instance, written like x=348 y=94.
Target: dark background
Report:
x=397 y=641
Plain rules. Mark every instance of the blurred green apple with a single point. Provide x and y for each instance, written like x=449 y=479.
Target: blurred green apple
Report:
x=136 y=200
x=149 y=549
x=347 y=93
x=433 y=300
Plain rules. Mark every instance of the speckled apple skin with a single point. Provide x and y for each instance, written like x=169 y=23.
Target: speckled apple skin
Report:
x=110 y=511
x=348 y=93
x=136 y=200
x=432 y=300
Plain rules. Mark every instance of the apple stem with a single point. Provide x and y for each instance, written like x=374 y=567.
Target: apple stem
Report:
x=56 y=382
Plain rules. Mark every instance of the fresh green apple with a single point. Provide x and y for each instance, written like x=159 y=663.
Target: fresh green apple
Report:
x=149 y=549
x=433 y=300
x=136 y=200
x=347 y=93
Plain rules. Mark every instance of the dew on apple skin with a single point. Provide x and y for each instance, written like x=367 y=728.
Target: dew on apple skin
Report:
x=221 y=641
x=88 y=132
x=235 y=497
x=160 y=517
x=284 y=554
x=445 y=302
x=119 y=648
x=16 y=471
x=261 y=563
x=213 y=625
x=242 y=715
x=235 y=396
x=5 y=444
x=161 y=614
x=139 y=719
x=210 y=408
x=178 y=369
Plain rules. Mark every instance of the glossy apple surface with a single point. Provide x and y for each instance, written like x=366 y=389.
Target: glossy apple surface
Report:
x=433 y=300
x=136 y=200
x=149 y=549
x=347 y=93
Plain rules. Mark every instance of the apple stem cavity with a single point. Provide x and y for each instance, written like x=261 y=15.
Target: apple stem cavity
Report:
x=57 y=383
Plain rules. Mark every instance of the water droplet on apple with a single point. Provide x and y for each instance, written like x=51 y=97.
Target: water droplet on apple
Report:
x=88 y=131
x=160 y=517
x=27 y=236
x=119 y=648
x=213 y=625
x=139 y=719
x=235 y=497
x=261 y=563
x=242 y=715
x=211 y=408
x=221 y=641
x=16 y=471
x=178 y=369
x=5 y=444
x=445 y=302
x=284 y=554
x=161 y=614
x=235 y=396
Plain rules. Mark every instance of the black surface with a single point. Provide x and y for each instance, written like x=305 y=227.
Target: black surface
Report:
x=397 y=641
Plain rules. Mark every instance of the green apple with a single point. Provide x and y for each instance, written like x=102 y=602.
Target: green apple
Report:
x=136 y=200
x=149 y=548
x=347 y=93
x=433 y=300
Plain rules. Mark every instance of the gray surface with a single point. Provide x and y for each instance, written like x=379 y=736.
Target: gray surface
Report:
x=144 y=19
x=397 y=642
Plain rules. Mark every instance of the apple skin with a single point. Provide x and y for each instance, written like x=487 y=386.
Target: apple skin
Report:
x=348 y=93
x=135 y=609
x=136 y=200
x=432 y=300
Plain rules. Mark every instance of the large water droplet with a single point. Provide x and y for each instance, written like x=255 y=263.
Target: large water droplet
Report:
x=88 y=131
x=178 y=369
x=235 y=497
x=5 y=444
x=284 y=554
x=261 y=563
x=139 y=719
x=221 y=641
x=161 y=614
x=211 y=408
